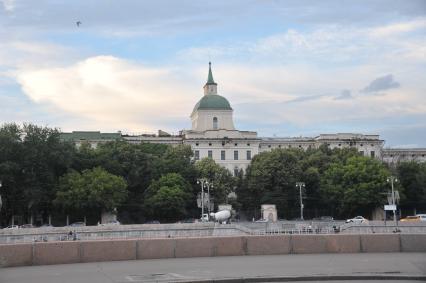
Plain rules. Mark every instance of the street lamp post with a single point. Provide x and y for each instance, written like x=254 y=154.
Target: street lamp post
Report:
x=391 y=180
x=300 y=185
x=208 y=193
x=1 y=202
x=203 y=182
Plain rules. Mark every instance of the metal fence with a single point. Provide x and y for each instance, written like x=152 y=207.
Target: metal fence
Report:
x=202 y=230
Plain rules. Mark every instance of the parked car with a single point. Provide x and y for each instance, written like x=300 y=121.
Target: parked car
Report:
x=414 y=218
x=422 y=217
x=12 y=227
x=46 y=225
x=77 y=224
x=110 y=223
x=357 y=220
x=153 y=222
x=27 y=226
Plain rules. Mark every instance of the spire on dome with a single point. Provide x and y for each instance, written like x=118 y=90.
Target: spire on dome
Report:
x=210 y=80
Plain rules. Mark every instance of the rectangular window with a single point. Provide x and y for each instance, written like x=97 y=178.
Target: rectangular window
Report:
x=361 y=153
x=197 y=155
x=236 y=171
x=248 y=154
x=372 y=153
x=210 y=154
x=235 y=154
x=222 y=155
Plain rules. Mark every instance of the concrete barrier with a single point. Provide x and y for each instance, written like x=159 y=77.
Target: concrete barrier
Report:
x=103 y=250
x=16 y=255
x=308 y=244
x=112 y=250
x=270 y=245
x=380 y=243
x=343 y=244
x=194 y=247
x=229 y=246
x=413 y=243
x=155 y=248
x=56 y=253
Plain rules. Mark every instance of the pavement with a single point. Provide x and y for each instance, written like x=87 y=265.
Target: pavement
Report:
x=387 y=267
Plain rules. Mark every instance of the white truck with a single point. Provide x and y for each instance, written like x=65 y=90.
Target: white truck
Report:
x=221 y=216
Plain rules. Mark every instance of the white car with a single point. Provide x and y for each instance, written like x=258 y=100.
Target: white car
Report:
x=12 y=227
x=422 y=217
x=357 y=220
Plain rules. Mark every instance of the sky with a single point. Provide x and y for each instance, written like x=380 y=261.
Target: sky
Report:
x=288 y=68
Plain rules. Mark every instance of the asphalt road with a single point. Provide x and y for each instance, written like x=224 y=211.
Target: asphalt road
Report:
x=311 y=267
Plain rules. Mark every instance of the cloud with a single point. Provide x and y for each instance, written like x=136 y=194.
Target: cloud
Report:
x=8 y=5
x=18 y=54
x=113 y=92
x=324 y=44
x=313 y=55
x=381 y=83
x=345 y=94
x=398 y=28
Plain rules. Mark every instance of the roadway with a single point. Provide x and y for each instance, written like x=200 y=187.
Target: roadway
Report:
x=361 y=267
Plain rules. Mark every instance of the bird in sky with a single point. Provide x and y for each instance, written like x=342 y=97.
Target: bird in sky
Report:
x=78 y=23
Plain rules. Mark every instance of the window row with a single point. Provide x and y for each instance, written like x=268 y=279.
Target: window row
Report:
x=222 y=154
x=223 y=143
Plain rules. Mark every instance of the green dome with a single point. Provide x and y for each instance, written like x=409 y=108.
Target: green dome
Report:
x=212 y=102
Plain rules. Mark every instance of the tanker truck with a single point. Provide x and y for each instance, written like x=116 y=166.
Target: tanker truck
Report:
x=221 y=216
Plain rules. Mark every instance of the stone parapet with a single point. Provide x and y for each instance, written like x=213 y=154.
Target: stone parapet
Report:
x=113 y=250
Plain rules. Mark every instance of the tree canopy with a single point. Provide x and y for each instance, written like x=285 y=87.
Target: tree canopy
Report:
x=221 y=178
x=42 y=175
x=167 y=198
x=92 y=189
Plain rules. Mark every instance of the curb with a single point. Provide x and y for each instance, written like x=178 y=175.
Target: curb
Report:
x=375 y=277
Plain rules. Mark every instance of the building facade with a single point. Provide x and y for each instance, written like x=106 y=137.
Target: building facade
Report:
x=214 y=135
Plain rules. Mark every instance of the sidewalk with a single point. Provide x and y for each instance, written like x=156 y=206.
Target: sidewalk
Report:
x=310 y=267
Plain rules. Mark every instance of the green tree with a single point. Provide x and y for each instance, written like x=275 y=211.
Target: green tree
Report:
x=314 y=162
x=412 y=176
x=138 y=164
x=32 y=159
x=93 y=189
x=271 y=178
x=167 y=198
x=11 y=174
x=221 y=178
x=355 y=186
x=178 y=159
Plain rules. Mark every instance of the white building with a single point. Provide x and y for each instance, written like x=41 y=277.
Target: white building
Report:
x=213 y=135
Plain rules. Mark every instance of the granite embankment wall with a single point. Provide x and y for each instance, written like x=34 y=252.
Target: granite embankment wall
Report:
x=112 y=250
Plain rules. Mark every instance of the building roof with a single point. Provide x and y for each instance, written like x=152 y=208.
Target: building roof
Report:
x=90 y=135
x=212 y=102
x=210 y=80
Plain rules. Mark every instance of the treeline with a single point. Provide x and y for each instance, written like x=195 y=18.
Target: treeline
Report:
x=42 y=175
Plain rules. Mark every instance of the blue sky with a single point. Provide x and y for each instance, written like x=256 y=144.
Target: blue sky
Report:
x=288 y=68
